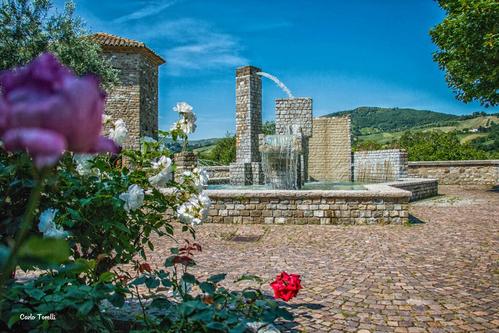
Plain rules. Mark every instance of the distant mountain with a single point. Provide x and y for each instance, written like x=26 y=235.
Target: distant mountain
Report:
x=369 y=120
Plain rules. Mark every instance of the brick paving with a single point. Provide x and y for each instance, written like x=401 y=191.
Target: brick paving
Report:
x=441 y=275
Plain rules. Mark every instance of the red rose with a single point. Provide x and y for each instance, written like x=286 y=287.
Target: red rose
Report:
x=286 y=286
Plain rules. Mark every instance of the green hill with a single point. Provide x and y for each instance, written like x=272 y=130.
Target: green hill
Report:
x=371 y=120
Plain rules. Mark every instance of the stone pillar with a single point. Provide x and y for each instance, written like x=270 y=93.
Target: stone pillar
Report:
x=248 y=114
x=247 y=169
x=294 y=114
x=184 y=161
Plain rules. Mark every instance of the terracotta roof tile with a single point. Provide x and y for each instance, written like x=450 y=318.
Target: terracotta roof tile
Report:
x=116 y=43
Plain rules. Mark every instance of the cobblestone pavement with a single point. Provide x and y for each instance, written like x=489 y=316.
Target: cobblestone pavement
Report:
x=440 y=274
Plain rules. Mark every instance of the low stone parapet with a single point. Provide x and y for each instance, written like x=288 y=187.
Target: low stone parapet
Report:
x=419 y=188
x=484 y=172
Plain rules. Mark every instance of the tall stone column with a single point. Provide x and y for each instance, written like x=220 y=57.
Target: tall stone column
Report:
x=248 y=114
x=296 y=112
x=247 y=169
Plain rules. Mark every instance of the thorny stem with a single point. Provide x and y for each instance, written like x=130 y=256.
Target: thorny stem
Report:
x=142 y=306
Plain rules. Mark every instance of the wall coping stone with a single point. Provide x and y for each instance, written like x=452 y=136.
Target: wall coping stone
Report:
x=454 y=163
x=371 y=191
x=216 y=167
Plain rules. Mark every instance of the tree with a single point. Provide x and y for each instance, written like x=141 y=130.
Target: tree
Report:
x=268 y=127
x=224 y=151
x=438 y=146
x=468 y=42
x=29 y=27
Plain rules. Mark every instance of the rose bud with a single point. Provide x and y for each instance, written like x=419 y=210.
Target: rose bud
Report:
x=46 y=109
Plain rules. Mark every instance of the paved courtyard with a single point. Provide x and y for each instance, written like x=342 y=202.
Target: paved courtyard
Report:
x=440 y=274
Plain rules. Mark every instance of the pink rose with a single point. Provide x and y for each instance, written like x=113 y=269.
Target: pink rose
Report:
x=46 y=109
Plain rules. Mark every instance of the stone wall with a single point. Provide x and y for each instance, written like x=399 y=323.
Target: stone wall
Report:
x=218 y=171
x=149 y=99
x=135 y=98
x=458 y=172
x=379 y=165
x=330 y=147
x=419 y=188
x=293 y=111
x=383 y=205
x=184 y=161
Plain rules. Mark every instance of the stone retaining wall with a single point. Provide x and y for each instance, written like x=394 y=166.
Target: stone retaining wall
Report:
x=218 y=171
x=379 y=204
x=458 y=172
x=330 y=148
x=419 y=188
x=379 y=165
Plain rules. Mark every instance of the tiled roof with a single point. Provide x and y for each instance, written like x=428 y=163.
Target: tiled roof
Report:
x=110 y=42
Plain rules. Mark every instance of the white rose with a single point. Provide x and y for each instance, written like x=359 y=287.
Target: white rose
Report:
x=195 y=210
x=47 y=225
x=148 y=139
x=84 y=165
x=133 y=198
x=182 y=108
x=165 y=175
x=119 y=133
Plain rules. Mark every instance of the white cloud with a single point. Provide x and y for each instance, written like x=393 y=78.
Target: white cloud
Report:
x=148 y=9
x=193 y=45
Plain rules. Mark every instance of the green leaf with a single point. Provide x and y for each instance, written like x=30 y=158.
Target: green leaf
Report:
x=13 y=319
x=152 y=283
x=217 y=278
x=106 y=277
x=216 y=326
x=44 y=250
x=117 y=300
x=189 y=278
x=35 y=293
x=285 y=314
x=139 y=280
x=4 y=254
x=174 y=250
x=86 y=307
x=169 y=261
x=249 y=277
x=207 y=287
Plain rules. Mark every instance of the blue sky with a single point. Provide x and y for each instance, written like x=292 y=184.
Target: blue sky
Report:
x=343 y=54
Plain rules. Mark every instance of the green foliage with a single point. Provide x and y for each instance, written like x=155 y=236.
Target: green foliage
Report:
x=468 y=41
x=392 y=119
x=268 y=128
x=489 y=143
x=438 y=146
x=78 y=288
x=224 y=151
x=213 y=309
x=30 y=27
x=63 y=302
x=367 y=145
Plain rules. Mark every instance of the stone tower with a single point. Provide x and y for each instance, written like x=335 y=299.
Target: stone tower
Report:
x=247 y=168
x=135 y=98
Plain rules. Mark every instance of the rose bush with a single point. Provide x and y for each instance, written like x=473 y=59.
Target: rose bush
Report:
x=95 y=213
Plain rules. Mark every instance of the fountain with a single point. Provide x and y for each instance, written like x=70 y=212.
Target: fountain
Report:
x=278 y=82
x=280 y=161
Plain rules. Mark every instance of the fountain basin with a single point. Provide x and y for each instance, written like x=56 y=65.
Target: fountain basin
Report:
x=372 y=204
